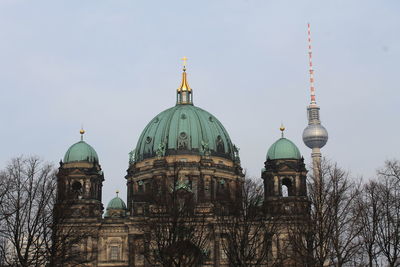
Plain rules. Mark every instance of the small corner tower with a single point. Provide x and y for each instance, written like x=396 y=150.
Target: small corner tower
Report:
x=79 y=182
x=116 y=208
x=315 y=136
x=284 y=175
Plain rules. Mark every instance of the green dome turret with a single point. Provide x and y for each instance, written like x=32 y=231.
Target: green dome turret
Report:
x=117 y=204
x=184 y=129
x=283 y=149
x=116 y=207
x=81 y=151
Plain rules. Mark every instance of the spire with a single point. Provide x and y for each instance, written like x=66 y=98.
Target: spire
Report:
x=312 y=88
x=117 y=192
x=184 y=92
x=313 y=108
x=315 y=136
x=282 y=128
x=82 y=132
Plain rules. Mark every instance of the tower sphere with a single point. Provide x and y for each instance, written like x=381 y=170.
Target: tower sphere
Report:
x=315 y=136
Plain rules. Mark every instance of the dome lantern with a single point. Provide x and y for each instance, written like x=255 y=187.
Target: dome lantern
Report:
x=184 y=92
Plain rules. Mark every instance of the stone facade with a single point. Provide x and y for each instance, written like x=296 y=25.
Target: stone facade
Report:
x=117 y=240
x=183 y=177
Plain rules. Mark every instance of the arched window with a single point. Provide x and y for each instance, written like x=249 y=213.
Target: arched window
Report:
x=77 y=189
x=285 y=191
x=286 y=187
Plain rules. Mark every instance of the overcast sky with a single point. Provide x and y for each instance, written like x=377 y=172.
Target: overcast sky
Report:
x=114 y=65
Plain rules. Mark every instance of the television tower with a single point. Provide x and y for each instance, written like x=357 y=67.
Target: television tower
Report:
x=315 y=135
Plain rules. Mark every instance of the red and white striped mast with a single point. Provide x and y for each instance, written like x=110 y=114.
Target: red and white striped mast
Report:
x=312 y=88
x=315 y=136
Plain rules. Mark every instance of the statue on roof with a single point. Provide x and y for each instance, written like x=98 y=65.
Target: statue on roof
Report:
x=205 y=149
x=160 y=152
x=132 y=156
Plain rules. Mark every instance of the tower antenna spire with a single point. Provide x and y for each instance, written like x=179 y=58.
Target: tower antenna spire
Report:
x=315 y=135
x=312 y=88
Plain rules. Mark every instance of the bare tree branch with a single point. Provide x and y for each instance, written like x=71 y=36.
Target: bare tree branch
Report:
x=30 y=233
x=246 y=231
x=176 y=231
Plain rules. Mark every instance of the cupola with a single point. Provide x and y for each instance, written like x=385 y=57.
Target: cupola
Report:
x=81 y=152
x=116 y=207
x=283 y=148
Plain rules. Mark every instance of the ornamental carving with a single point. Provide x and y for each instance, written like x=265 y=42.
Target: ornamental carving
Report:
x=205 y=149
x=183 y=141
x=236 y=153
x=220 y=144
x=160 y=152
x=132 y=158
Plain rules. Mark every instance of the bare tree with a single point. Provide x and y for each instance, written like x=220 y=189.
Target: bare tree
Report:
x=30 y=233
x=388 y=229
x=4 y=187
x=311 y=241
x=370 y=207
x=391 y=170
x=31 y=185
x=330 y=238
x=176 y=233
x=66 y=240
x=345 y=215
x=246 y=231
x=3 y=190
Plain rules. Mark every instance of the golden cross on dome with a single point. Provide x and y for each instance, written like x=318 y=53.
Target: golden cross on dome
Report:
x=184 y=59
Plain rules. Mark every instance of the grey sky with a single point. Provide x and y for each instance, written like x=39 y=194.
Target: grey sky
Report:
x=114 y=65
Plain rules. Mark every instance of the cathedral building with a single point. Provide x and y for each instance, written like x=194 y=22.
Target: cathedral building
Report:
x=184 y=150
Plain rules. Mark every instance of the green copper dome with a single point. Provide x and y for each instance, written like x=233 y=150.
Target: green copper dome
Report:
x=116 y=208
x=283 y=149
x=117 y=204
x=184 y=129
x=81 y=151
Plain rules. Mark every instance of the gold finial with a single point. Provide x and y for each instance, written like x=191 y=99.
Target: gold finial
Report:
x=282 y=128
x=82 y=132
x=184 y=85
x=184 y=59
x=117 y=192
